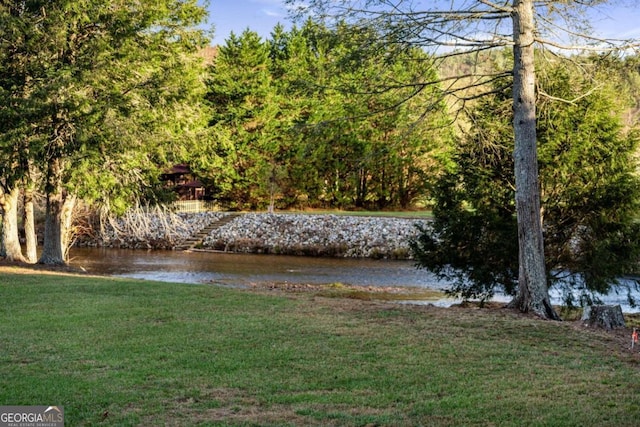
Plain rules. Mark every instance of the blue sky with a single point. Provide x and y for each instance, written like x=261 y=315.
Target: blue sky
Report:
x=262 y=15
x=619 y=22
x=236 y=15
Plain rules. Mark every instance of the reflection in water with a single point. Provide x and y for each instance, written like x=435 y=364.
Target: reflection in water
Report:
x=245 y=269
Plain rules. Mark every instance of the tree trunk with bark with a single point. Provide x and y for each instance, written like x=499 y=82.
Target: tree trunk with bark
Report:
x=58 y=217
x=603 y=316
x=31 y=255
x=66 y=228
x=57 y=229
x=10 y=237
x=533 y=294
x=52 y=248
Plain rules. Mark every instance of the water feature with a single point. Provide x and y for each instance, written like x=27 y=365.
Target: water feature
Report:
x=242 y=270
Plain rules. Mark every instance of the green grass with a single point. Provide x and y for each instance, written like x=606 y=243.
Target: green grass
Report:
x=128 y=352
x=418 y=214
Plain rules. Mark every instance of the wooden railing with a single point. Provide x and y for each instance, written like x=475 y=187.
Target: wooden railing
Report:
x=194 y=206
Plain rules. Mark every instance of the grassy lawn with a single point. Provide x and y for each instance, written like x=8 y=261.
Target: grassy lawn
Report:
x=127 y=352
x=418 y=214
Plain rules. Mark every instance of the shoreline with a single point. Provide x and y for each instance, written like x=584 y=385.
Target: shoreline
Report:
x=321 y=235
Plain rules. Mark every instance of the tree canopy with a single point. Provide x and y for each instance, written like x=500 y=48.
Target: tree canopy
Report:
x=589 y=187
x=93 y=89
x=299 y=117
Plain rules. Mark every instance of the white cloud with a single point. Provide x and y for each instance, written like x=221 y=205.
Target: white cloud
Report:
x=632 y=33
x=272 y=13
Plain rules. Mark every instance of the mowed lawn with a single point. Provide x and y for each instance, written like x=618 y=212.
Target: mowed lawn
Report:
x=128 y=352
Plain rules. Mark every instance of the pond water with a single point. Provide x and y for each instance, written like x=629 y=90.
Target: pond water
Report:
x=242 y=270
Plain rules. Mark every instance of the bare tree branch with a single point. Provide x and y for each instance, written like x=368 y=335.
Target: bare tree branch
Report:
x=627 y=45
x=567 y=101
x=504 y=9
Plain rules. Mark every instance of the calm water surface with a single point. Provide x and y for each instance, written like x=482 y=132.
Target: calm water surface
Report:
x=240 y=270
x=244 y=269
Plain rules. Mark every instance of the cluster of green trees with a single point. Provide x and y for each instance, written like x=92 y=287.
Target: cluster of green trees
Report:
x=93 y=95
x=97 y=98
x=309 y=117
x=525 y=27
x=590 y=187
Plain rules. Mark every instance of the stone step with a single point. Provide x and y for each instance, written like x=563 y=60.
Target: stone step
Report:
x=198 y=237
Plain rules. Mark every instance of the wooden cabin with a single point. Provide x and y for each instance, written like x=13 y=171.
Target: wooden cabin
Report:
x=181 y=179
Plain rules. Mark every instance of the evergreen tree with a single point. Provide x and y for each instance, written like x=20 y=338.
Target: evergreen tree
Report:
x=366 y=149
x=244 y=106
x=297 y=120
x=96 y=82
x=589 y=187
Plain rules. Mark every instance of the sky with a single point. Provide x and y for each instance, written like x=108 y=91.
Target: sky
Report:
x=262 y=15
x=236 y=15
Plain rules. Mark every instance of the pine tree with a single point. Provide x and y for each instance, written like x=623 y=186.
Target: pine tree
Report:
x=589 y=188
x=95 y=80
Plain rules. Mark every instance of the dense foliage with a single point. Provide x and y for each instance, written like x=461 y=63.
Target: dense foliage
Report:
x=589 y=187
x=97 y=98
x=308 y=118
x=92 y=94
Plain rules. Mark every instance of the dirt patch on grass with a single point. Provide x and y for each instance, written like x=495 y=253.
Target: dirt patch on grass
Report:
x=340 y=290
x=14 y=267
x=232 y=406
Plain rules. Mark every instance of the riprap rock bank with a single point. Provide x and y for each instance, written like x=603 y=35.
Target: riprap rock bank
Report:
x=290 y=234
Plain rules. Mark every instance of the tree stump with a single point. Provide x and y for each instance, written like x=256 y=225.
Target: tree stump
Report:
x=603 y=316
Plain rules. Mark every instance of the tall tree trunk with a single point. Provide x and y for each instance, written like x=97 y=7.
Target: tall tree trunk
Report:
x=30 y=226
x=57 y=228
x=10 y=238
x=533 y=293
x=58 y=217
x=52 y=248
x=66 y=224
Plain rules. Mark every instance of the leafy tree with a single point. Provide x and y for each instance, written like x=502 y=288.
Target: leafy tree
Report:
x=590 y=194
x=295 y=115
x=358 y=139
x=15 y=115
x=591 y=191
x=474 y=27
x=242 y=99
x=100 y=85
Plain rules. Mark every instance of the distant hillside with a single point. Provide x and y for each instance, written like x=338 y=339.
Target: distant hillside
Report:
x=209 y=53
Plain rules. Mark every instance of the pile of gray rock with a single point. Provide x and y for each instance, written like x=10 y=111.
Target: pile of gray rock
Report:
x=147 y=230
x=316 y=235
x=291 y=234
